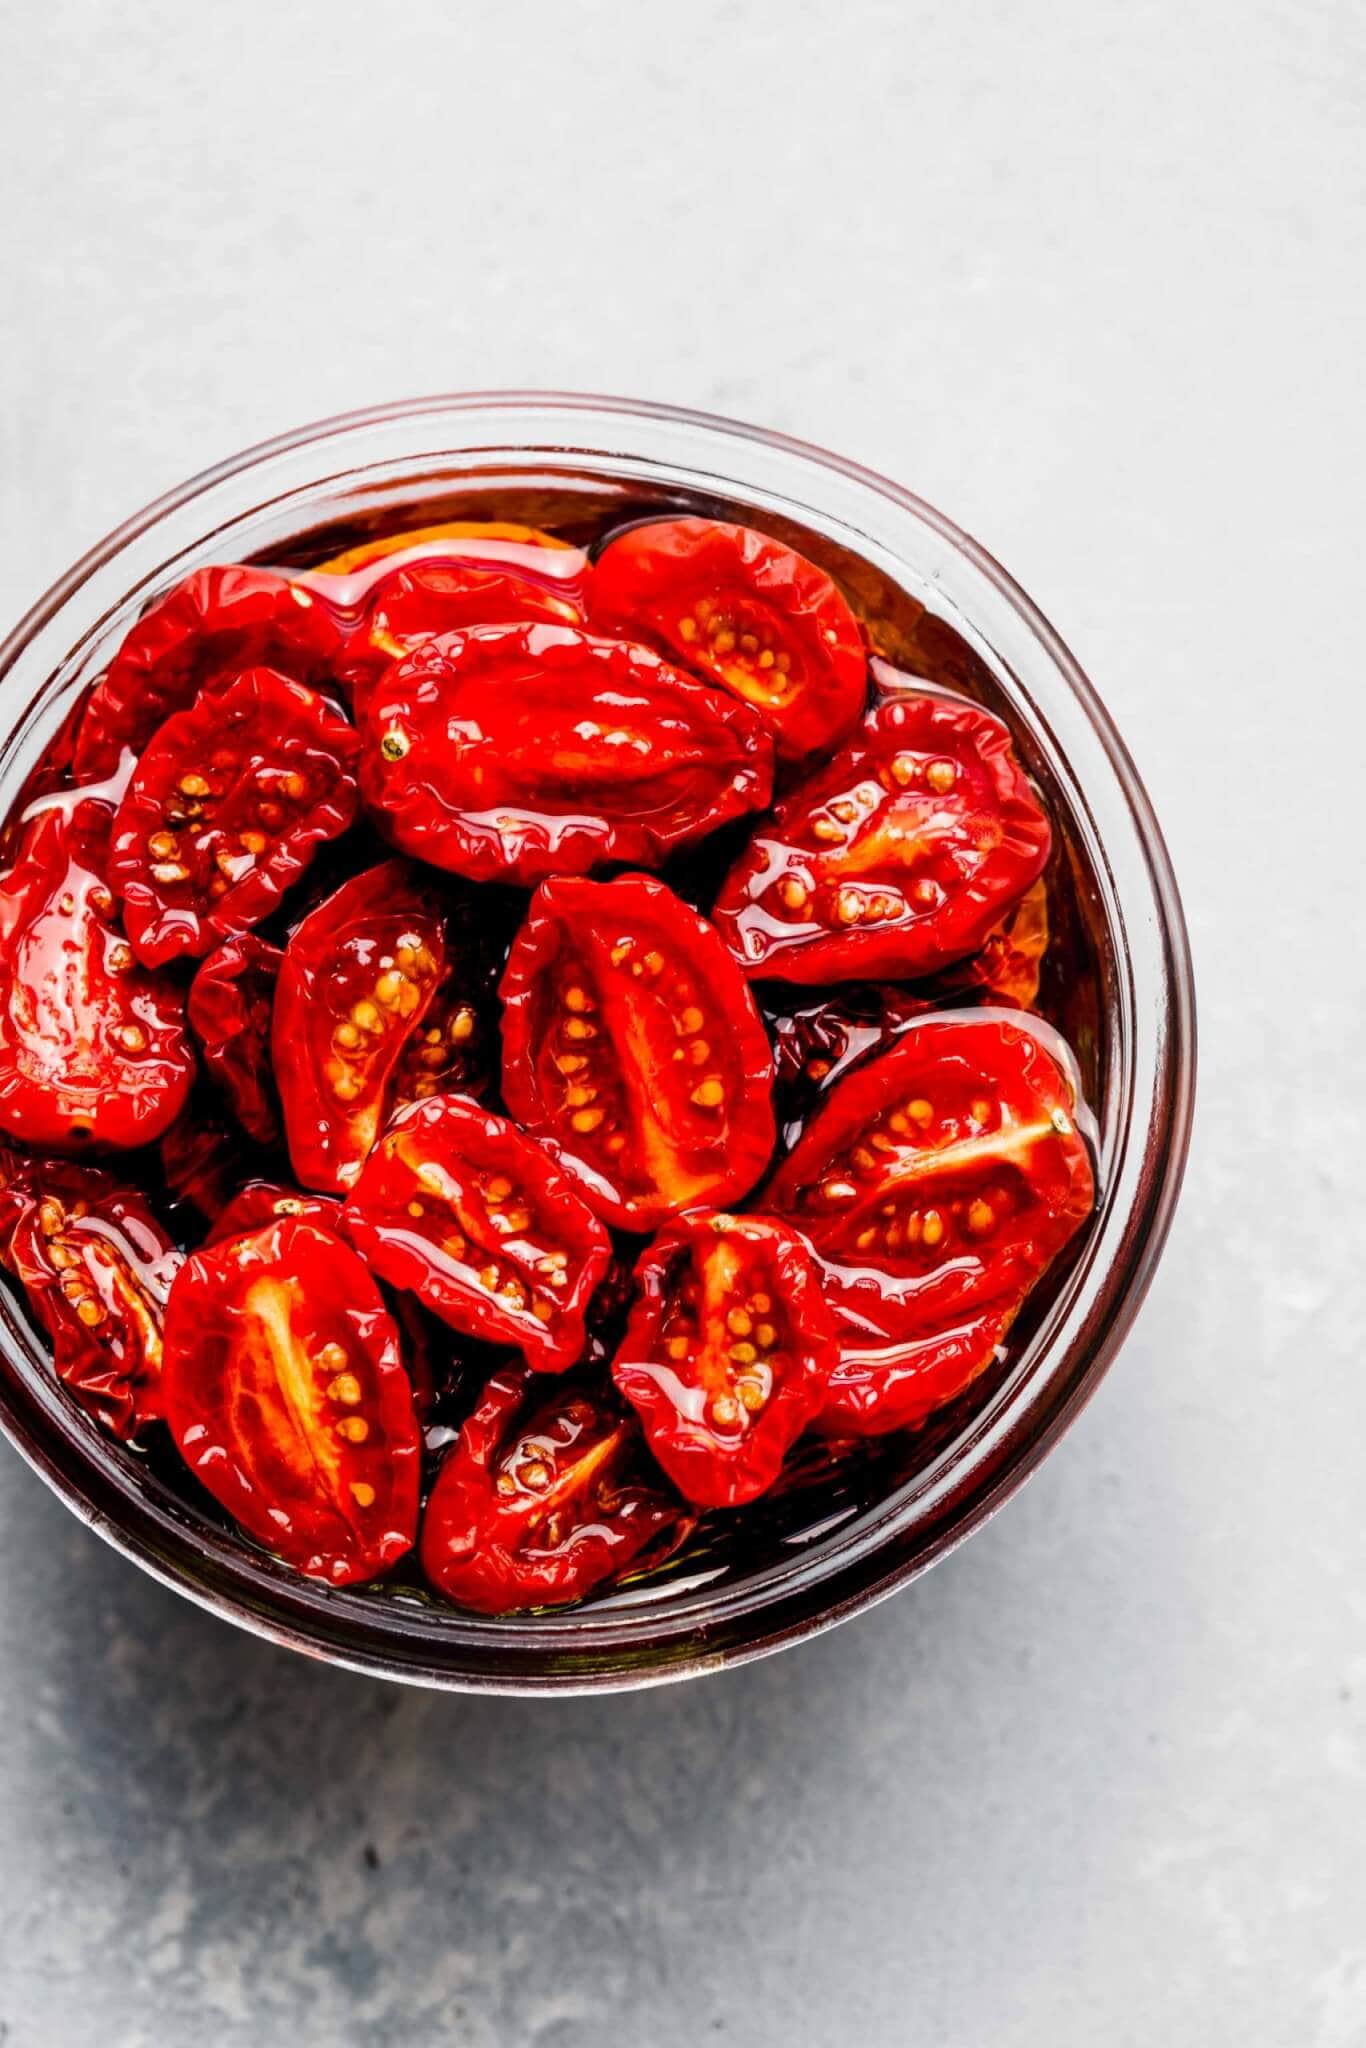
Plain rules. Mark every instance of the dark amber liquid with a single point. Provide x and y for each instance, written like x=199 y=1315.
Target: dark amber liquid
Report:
x=823 y=1485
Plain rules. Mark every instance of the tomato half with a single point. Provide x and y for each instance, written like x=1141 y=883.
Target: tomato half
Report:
x=541 y=1499
x=226 y=808
x=97 y=1268
x=936 y=1185
x=514 y=752
x=286 y=1395
x=391 y=603
x=230 y=1004
x=210 y=628
x=728 y=1353
x=350 y=1039
x=748 y=613
x=93 y=1048
x=632 y=1047
x=895 y=858
x=455 y=1204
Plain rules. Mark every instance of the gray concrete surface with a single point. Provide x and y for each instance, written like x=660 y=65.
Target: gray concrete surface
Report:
x=1090 y=278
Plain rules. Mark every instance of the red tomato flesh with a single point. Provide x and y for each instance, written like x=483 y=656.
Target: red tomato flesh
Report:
x=727 y=1354
x=93 y=1048
x=225 y=810
x=97 y=1268
x=515 y=752
x=263 y=1202
x=360 y=976
x=746 y=612
x=541 y=1500
x=632 y=1047
x=210 y=628
x=456 y=1205
x=936 y=1185
x=896 y=858
x=285 y=1392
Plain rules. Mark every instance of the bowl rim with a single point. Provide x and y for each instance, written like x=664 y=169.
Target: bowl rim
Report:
x=578 y=1650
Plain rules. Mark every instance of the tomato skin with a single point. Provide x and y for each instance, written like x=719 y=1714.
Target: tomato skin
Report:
x=97 y=1268
x=209 y=628
x=624 y=1018
x=230 y=1004
x=477 y=1221
x=390 y=603
x=702 y=589
x=260 y=1203
x=540 y=1500
x=896 y=858
x=935 y=1186
x=343 y=1018
x=226 y=808
x=726 y=1382
x=884 y=1385
x=285 y=1392
x=204 y=1159
x=93 y=1048
x=514 y=752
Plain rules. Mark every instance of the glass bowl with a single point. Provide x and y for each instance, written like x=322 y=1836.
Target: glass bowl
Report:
x=556 y=458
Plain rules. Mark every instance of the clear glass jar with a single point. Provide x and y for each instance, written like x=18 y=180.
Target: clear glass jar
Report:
x=298 y=497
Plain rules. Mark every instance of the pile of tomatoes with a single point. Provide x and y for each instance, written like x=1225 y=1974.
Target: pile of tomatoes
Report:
x=379 y=948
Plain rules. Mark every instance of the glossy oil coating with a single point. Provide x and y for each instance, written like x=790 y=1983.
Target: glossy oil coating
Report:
x=93 y=1047
x=633 y=1048
x=509 y=753
x=285 y=1392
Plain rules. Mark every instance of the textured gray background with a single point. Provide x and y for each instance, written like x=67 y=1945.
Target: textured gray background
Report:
x=1090 y=278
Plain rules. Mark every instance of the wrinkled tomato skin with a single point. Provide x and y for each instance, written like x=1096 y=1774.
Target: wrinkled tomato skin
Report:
x=747 y=613
x=225 y=810
x=727 y=1354
x=262 y=1202
x=895 y=859
x=881 y=1384
x=361 y=974
x=204 y=1157
x=390 y=604
x=230 y=1004
x=821 y=1040
x=935 y=1186
x=97 y=1268
x=632 y=1048
x=94 y=1052
x=285 y=1392
x=540 y=1500
x=456 y=1205
x=509 y=753
x=208 y=629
